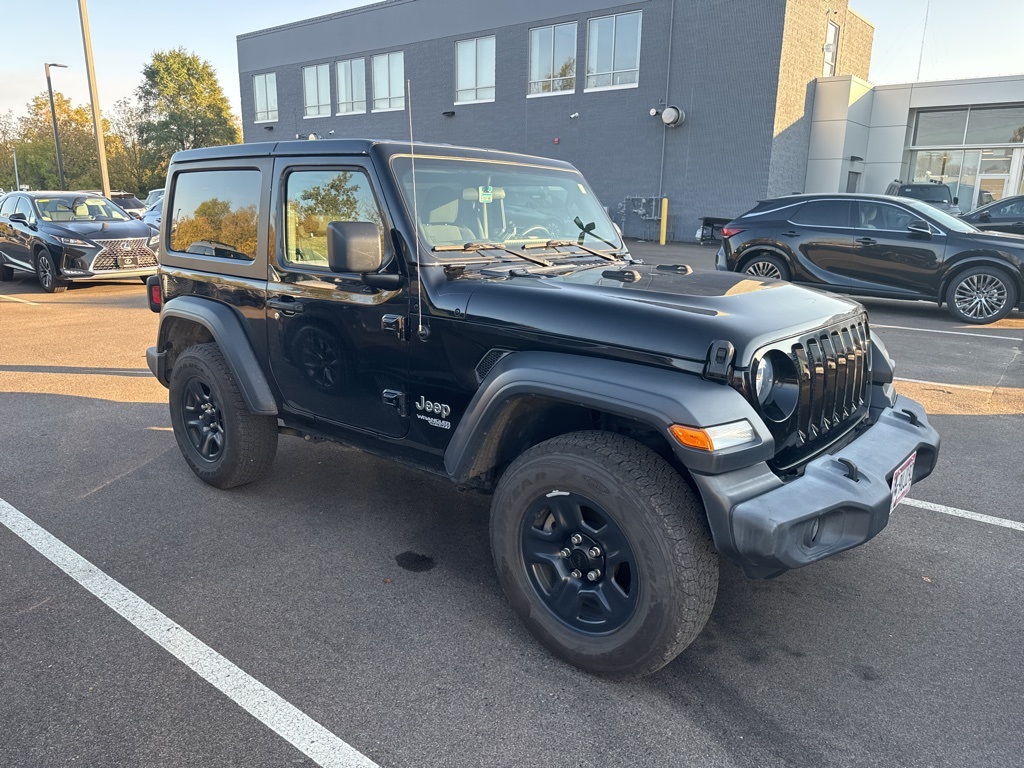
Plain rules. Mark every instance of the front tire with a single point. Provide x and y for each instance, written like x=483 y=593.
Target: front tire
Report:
x=48 y=274
x=601 y=549
x=981 y=295
x=767 y=266
x=223 y=442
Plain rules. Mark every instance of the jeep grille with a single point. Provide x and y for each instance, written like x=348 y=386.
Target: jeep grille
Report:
x=834 y=370
x=106 y=259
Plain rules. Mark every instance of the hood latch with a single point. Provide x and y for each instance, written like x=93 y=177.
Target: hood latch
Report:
x=719 y=360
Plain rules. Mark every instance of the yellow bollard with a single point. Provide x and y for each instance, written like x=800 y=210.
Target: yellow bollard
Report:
x=664 y=220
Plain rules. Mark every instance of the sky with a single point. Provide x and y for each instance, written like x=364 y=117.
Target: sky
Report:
x=976 y=39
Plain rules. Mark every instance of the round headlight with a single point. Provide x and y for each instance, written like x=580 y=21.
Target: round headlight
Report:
x=764 y=379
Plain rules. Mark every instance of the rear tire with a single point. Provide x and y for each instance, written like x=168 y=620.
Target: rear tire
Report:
x=223 y=442
x=981 y=295
x=647 y=593
x=48 y=274
x=767 y=266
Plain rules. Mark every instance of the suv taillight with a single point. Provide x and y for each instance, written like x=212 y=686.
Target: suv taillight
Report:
x=729 y=231
x=154 y=293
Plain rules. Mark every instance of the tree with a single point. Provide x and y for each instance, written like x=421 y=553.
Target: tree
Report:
x=37 y=156
x=133 y=166
x=183 y=105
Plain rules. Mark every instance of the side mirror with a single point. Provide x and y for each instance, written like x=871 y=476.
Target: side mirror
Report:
x=919 y=228
x=986 y=216
x=354 y=246
x=18 y=217
x=956 y=201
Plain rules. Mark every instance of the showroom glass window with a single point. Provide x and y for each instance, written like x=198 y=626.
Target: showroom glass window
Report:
x=265 y=92
x=314 y=200
x=389 y=81
x=215 y=213
x=553 y=59
x=316 y=87
x=474 y=70
x=351 y=86
x=996 y=125
x=831 y=50
x=933 y=129
x=613 y=51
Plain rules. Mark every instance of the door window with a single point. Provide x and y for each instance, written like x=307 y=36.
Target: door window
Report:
x=1013 y=209
x=314 y=200
x=824 y=213
x=884 y=216
x=24 y=206
x=7 y=208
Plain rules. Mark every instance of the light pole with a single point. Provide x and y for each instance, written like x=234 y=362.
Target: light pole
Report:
x=53 y=116
x=17 y=181
x=97 y=124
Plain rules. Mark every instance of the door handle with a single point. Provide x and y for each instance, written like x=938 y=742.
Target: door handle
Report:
x=288 y=306
x=866 y=240
x=790 y=233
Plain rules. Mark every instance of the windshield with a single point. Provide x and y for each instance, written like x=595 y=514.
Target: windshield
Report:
x=940 y=217
x=79 y=208
x=460 y=201
x=128 y=201
x=930 y=193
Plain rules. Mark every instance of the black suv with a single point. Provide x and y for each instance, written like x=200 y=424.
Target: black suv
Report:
x=1006 y=215
x=65 y=237
x=933 y=193
x=629 y=420
x=873 y=245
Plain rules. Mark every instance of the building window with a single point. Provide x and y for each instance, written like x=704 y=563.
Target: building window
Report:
x=831 y=50
x=613 y=51
x=351 y=86
x=265 y=90
x=316 y=84
x=553 y=59
x=474 y=70
x=389 y=81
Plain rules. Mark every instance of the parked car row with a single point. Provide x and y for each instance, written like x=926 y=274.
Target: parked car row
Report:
x=885 y=246
x=65 y=237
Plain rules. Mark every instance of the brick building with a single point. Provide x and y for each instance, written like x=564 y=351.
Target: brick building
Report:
x=587 y=81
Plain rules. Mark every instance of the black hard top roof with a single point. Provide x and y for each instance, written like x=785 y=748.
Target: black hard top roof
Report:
x=305 y=148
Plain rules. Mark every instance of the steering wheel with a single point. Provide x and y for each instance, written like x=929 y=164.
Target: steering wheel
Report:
x=536 y=228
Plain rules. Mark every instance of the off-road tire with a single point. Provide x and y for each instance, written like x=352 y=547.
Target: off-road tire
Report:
x=659 y=517
x=249 y=441
x=767 y=266
x=995 y=286
x=47 y=273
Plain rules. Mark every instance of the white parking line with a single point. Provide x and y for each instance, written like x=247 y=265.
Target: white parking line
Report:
x=1001 y=522
x=20 y=301
x=287 y=721
x=950 y=333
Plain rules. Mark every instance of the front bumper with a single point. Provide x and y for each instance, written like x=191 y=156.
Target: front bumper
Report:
x=76 y=276
x=768 y=526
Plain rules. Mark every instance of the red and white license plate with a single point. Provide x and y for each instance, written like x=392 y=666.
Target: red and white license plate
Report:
x=902 y=479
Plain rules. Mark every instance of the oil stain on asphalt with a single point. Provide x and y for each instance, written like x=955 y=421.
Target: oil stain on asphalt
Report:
x=413 y=561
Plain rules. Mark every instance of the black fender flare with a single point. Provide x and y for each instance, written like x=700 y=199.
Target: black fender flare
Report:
x=658 y=397
x=227 y=330
x=981 y=259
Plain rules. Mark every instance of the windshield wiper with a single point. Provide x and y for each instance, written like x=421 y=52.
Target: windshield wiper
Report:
x=588 y=229
x=571 y=244
x=473 y=247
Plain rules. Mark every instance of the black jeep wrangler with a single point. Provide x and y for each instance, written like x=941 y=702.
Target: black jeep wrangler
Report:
x=476 y=314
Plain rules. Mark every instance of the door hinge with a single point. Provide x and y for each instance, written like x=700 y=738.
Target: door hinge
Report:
x=395 y=399
x=719 y=361
x=394 y=324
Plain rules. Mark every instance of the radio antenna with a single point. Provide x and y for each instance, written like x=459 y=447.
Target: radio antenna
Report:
x=416 y=216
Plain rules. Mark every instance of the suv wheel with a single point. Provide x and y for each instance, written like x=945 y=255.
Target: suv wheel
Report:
x=981 y=295
x=224 y=443
x=766 y=265
x=601 y=549
x=46 y=272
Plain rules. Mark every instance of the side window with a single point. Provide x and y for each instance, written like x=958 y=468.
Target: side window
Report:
x=216 y=213
x=882 y=216
x=1007 y=210
x=24 y=206
x=823 y=213
x=316 y=198
x=7 y=207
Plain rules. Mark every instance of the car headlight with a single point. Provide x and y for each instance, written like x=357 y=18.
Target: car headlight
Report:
x=764 y=379
x=73 y=241
x=715 y=438
x=154 y=240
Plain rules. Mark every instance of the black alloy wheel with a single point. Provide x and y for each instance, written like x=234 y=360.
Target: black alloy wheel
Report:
x=579 y=562
x=981 y=295
x=46 y=272
x=223 y=442
x=603 y=552
x=767 y=266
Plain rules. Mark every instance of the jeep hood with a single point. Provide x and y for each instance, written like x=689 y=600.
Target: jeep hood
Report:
x=661 y=312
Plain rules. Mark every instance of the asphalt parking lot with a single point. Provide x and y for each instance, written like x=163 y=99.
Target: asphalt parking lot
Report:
x=362 y=593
